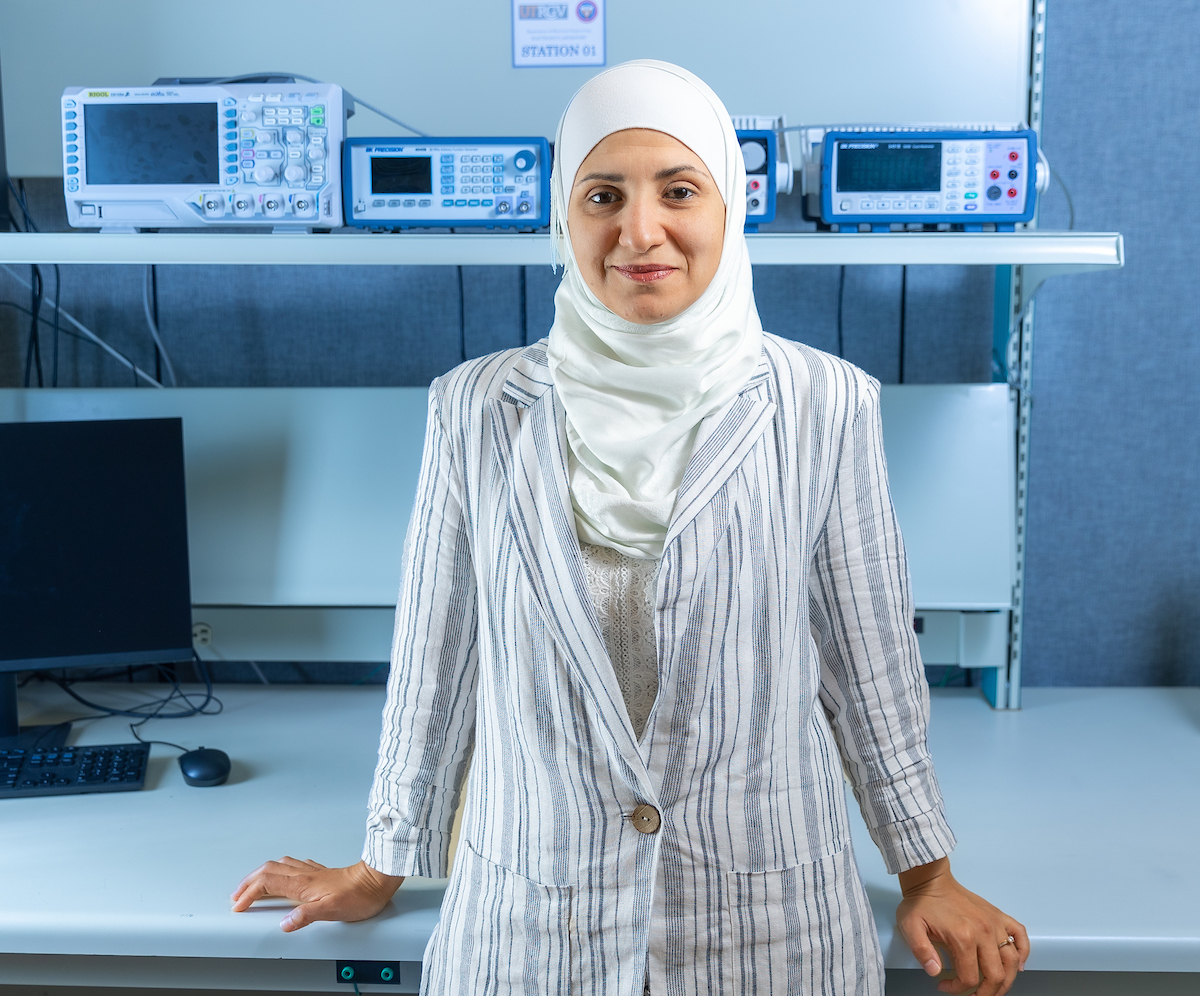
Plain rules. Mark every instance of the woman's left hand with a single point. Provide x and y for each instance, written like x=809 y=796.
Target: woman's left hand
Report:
x=988 y=946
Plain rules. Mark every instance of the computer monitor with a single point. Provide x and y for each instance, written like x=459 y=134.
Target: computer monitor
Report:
x=93 y=548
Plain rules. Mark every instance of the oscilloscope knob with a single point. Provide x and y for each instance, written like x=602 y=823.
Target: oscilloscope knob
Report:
x=295 y=173
x=264 y=173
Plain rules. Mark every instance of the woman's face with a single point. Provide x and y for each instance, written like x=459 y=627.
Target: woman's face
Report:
x=647 y=223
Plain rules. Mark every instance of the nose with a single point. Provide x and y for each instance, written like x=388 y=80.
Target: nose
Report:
x=641 y=226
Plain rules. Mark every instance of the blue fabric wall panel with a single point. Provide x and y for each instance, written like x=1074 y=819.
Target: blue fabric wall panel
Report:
x=231 y=326
x=799 y=302
x=492 y=318
x=1113 y=572
x=540 y=284
x=107 y=299
x=948 y=324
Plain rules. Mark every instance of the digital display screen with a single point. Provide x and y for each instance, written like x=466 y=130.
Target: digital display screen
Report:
x=93 y=543
x=876 y=166
x=151 y=143
x=401 y=175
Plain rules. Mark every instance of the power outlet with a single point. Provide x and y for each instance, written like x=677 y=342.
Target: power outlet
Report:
x=202 y=634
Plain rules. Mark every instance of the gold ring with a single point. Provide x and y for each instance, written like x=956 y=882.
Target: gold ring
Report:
x=1008 y=940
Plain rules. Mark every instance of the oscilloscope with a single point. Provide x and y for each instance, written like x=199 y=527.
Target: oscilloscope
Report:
x=185 y=155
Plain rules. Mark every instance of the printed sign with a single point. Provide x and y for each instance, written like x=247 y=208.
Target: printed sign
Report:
x=558 y=34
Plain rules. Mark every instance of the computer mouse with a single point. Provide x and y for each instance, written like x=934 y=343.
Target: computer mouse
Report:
x=204 y=767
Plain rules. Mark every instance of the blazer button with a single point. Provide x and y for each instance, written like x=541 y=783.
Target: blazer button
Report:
x=645 y=819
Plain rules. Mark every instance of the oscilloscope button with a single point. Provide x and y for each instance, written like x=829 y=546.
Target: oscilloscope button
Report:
x=69 y=115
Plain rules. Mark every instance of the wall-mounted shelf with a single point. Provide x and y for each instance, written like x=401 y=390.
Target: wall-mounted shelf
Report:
x=1061 y=251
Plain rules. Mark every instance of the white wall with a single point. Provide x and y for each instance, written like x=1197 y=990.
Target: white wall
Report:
x=446 y=67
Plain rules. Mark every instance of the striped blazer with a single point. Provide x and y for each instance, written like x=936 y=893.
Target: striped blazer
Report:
x=786 y=658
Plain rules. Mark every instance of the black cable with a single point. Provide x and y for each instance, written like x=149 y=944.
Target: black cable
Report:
x=462 y=317
x=57 y=299
x=254 y=78
x=160 y=704
x=841 y=342
x=46 y=321
x=903 y=310
x=1070 y=203
x=23 y=202
x=154 y=310
x=33 y=351
x=166 y=743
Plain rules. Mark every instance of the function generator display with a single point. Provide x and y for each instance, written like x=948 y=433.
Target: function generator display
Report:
x=393 y=183
x=199 y=155
x=957 y=177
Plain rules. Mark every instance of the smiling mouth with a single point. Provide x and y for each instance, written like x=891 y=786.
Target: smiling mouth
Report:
x=645 y=273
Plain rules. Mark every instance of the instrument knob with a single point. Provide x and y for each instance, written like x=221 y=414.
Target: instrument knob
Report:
x=295 y=173
x=249 y=116
x=316 y=153
x=264 y=173
x=293 y=136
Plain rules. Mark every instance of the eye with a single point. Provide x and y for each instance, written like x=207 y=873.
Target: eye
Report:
x=601 y=197
x=679 y=193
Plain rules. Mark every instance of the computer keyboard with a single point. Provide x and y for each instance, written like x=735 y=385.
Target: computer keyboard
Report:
x=72 y=770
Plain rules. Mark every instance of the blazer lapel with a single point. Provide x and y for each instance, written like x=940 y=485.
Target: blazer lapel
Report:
x=530 y=445
x=722 y=442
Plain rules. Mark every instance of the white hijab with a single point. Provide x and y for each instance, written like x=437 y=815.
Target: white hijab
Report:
x=636 y=394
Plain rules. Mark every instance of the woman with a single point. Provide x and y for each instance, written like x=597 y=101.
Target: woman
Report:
x=654 y=582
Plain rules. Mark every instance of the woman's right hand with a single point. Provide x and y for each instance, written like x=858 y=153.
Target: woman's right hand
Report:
x=354 y=893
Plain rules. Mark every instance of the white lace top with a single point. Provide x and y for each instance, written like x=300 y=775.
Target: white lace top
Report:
x=622 y=589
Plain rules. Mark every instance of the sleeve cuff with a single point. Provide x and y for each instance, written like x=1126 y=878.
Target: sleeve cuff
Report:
x=423 y=853
x=917 y=840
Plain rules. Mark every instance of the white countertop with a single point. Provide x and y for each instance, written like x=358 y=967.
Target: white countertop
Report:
x=1079 y=815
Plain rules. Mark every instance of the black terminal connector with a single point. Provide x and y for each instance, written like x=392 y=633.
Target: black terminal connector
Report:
x=386 y=973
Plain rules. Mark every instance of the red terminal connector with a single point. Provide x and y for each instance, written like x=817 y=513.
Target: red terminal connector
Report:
x=995 y=174
x=1012 y=191
x=1014 y=156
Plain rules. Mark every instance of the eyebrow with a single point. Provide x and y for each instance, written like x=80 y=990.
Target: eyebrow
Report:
x=662 y=174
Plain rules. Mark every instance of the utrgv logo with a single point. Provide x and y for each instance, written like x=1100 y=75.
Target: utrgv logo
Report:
x=586 y=11
x=543 y=12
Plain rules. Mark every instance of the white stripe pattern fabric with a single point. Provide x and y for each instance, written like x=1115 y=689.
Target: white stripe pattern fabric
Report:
x=786 y=655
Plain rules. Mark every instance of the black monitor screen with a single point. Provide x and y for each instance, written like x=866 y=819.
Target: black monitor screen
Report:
x=151 y=143
x=881 y=166
x=93 y=544
x=401 y=175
